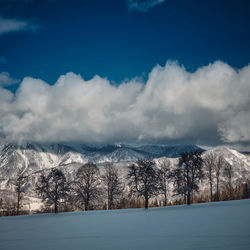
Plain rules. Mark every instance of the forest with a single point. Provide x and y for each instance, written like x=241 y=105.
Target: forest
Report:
x=145 y=185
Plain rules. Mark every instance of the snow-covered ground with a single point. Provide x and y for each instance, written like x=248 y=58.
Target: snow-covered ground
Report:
x=221 y=225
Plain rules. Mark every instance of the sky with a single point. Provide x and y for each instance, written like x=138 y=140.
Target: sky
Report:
x=132 y=71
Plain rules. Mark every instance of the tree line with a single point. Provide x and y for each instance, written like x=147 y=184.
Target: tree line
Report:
x=144 y=181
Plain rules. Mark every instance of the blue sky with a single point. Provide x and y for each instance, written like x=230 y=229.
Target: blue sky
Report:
x=113 y=40
x=135 y=71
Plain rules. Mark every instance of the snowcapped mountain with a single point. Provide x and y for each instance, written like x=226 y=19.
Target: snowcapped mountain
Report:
x=34 y=158
x=240 y=169
x=40 y=156
x=240 y=163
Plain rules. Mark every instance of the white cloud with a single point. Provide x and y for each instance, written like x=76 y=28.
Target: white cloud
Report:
x=143 y=5
x=8 y=25
x=6 y=79
x=211 y=105
x=236 y=128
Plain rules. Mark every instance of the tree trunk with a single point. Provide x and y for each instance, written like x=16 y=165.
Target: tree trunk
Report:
x=110 y=200
x=56 y=208
x=87 y=203
x=109 y=203
x=165 y=199
x=217 y=190
x=230 y=190
x=188 y=198
x=86 y=206
x=18 y=203
x=211 y=191
x=146 y=202
x=56 y=198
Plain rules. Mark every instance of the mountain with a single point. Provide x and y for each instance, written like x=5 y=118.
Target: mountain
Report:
x=33 y=159
x=171 y=151
x=239 y=161
x=46 y=155
x=122 y=152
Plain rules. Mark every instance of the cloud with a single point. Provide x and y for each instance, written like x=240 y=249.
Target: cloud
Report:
x=6 y=79
x=143 y=5
x=236 y=128
x=8 y=25
x=210 y=105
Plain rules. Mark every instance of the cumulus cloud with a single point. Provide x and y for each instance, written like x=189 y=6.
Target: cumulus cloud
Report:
x=210 y=105
x=8 y=25
x=6 y=79
x=236 y=128
x=143 y=5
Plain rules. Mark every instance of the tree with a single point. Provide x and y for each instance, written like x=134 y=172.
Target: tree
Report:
x=53 y=188
x=218 y=167
x=187 y=174
x=210 y=164
x=113 y=185
x=86 y=186
x=163 y=175
x=20 y=183
x=1 y=207
x=228 y=173
x=245 y=191
x=142 y=180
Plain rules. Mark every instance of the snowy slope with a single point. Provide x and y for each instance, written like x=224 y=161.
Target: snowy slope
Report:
x=219 y=225
x=34 y=159
x=240 y=163
x=122 y=152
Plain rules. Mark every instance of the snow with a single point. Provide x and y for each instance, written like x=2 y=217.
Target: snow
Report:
x=34 y=204
x=221 y=225
x=35 y=159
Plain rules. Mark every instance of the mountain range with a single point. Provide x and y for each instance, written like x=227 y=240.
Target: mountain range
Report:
x=33 y=159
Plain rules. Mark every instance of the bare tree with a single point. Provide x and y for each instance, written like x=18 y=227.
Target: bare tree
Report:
x=86 y=186
x=20 y=183
x=228 y=173
x=8 y=207
x=142 y=180
x=210 y=165
x=53 y=188
x=113 y=185
x=1 y=207
x=163 y=176
x=218 y=167
x=187 y=174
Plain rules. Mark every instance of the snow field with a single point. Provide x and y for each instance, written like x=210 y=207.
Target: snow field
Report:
x=221 y=225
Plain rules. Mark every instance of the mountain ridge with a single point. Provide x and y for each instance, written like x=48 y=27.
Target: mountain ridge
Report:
x=33 y=159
